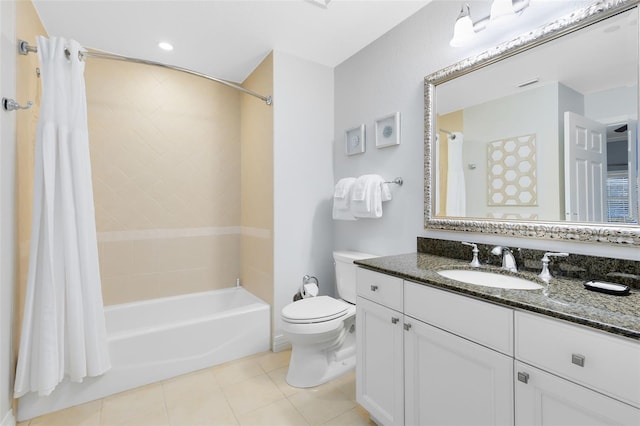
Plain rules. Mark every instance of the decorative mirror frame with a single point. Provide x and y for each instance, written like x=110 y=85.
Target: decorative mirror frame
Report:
x=628 y=235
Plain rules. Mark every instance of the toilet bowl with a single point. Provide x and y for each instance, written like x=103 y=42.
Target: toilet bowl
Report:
x=322 y=329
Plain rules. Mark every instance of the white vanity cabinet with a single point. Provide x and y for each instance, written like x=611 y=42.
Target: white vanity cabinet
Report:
x=451 y=379
x=570 y=375
x=431 y=357
x=379 y=340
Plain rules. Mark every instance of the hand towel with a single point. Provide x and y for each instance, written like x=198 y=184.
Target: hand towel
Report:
x=341 y=199
x=367 y=196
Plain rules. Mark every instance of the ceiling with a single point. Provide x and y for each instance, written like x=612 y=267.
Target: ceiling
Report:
x=225 y=38
x=600 y=57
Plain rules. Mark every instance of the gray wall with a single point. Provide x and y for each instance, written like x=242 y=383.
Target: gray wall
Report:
x=387 y=76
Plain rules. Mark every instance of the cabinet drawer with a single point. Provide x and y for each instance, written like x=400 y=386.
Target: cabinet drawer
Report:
x=479 y=321
x=380 y=288
x=600 y=361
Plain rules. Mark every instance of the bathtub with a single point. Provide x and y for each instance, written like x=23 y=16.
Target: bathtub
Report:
x=156 y=339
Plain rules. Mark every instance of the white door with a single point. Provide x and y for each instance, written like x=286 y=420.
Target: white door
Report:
x=453 y=381
x=379 y=363
x=585 y=168
x=543 y=399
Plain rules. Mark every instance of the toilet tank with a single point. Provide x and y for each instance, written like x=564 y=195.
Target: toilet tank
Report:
x=346 y=273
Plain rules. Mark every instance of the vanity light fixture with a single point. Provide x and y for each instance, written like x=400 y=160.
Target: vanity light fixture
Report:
x=501 y=9
x=465 y=29
x=320 y=3
x=165 y=46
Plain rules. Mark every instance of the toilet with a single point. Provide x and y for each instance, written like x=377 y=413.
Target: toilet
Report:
x=322 y=329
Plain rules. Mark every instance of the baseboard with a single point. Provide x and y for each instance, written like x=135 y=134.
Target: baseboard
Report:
x=280 y=343
x=9 y=419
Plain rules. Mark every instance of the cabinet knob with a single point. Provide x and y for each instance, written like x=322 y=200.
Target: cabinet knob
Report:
x=577 y=360
x=394 y=320
x=374 y=287
x=407 y=326
x=523 y=377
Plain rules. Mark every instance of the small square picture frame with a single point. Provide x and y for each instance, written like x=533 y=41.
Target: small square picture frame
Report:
x=387 y=130
x=354 y=140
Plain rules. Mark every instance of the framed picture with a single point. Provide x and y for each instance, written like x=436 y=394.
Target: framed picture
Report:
x=388 y=131
x=354 y=140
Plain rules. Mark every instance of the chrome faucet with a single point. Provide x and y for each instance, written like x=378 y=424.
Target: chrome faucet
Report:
x=508 y=261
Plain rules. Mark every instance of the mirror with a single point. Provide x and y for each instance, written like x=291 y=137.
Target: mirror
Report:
x=539 y=136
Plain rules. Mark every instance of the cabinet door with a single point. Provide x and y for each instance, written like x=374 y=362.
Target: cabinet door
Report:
x=545 y=399
x=379 y=364
x=453 y=381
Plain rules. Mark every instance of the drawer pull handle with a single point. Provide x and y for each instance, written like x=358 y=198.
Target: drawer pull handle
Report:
x=577 y=360
x=374 y=287
x=523 y=377
x=407 y=326
x=394 y=320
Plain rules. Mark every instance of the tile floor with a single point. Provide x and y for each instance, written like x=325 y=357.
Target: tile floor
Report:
x=249 y=391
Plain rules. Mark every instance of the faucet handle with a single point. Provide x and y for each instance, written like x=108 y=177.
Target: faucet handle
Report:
x=545 y=274
x=553 y=254
x=475 y=262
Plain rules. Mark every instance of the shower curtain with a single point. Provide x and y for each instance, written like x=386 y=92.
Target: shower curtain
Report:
x=456 y=188
x=63 y=330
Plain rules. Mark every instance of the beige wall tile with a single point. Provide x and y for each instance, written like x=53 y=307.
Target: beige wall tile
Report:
x=28 y=27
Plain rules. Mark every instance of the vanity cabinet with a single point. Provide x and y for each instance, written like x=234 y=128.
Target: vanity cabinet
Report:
x=454 y=372
x=411 y=372
x=433 y=357
x=571 y=375
x=379 y=342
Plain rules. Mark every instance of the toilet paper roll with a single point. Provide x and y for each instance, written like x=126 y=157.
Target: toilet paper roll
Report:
x=310 y=290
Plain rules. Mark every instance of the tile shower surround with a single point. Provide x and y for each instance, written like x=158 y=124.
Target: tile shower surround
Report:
x=576 y=266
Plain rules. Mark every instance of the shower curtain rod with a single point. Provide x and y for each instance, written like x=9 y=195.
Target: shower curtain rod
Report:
x=24 y=48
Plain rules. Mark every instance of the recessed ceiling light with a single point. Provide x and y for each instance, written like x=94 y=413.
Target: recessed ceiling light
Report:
x=165 y=46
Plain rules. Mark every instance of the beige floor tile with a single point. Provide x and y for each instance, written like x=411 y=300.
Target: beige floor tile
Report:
x=274 y=360
x=196 y=399
x=253 y=393
x=279 y=377
x=138 y=407
x=200 y=409
x=237 y=371
x=281 y=413
x=346 y=384
x=199 y=382
x=357 y=416
x=87 y=414
x=321 y=405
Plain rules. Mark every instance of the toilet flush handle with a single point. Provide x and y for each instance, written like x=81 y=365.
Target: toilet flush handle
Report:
x=374 y=287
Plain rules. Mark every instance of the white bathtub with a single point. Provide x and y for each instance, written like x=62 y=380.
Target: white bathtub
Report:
x=157 y=339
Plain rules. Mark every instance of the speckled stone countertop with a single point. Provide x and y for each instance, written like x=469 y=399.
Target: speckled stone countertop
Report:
x=567 y=298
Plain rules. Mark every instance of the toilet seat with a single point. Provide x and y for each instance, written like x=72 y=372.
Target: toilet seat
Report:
x=315 y=310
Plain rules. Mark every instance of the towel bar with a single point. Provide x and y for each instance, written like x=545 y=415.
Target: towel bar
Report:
x=398 y=181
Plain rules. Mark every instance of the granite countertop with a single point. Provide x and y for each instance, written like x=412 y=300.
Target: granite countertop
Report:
x=567 y=299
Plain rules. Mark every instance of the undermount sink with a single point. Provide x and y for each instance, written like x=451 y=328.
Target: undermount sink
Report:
x=489 y=279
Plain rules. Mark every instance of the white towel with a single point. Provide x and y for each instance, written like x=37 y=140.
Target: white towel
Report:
x=367 y=195
x=341 y=199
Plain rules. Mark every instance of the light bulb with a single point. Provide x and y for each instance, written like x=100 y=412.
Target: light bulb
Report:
x=502 y=9
x=463 y=30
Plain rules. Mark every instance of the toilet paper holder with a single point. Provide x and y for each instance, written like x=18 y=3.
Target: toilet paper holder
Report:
x=310 y=286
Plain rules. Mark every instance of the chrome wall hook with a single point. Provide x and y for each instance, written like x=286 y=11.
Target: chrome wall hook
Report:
x=11 y=105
